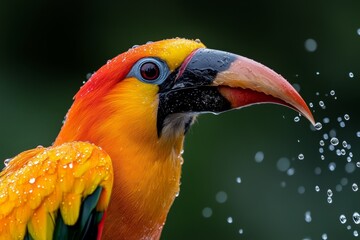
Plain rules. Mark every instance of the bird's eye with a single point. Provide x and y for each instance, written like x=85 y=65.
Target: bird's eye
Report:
x=150 y=70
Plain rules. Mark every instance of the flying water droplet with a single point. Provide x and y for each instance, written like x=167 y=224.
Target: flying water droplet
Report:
x=221 y=197
x=317 y=171
x=344 y=181
x=343 y=152
x=355 y=233
x=358 y=133
x=329 y=200
x=342 y=219
x=296 y=119
x=332 y=92
x=354 y=187
x=310 y=45
x=283 y=164
x=308 y=216
x=326 y=120
x=238 y=179
x=259 y=157
x=350 y=167
x=334 y=141
x=332 y=133
x=325 y=136
x=356 y=218
x=332 y=166
x=317 y=188
x=229 y=220
x=207 y=212
x=301 y=156
x=338 y=152
x=346 y=117
x=329 y=192
x=301 y=190
x=318 y=126
x=322 y=104
x=290 y=171
x=241 y=231
x=324 y=236
x=351 y=74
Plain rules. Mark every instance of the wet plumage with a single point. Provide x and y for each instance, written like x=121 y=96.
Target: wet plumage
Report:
x=114 y=169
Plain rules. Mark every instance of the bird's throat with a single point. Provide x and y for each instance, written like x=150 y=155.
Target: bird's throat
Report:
x=142 y=197
x=146 y=168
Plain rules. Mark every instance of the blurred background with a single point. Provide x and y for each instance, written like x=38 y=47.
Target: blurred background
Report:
x=242 y=177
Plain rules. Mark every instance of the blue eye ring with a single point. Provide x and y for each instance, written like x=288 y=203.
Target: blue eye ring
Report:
x=150 y=70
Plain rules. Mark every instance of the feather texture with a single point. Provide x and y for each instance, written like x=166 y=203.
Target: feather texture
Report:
x=46 y=189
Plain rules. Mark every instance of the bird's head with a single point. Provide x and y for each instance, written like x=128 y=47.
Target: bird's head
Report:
x=138 y=107
x=164 y=85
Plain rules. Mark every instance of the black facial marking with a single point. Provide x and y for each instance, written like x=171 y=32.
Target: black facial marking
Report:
x=204 y=65
x=190 y=100
x=201 y=69
x=188 y=88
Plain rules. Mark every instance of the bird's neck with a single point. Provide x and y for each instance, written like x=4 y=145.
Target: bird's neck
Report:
x=146 y=168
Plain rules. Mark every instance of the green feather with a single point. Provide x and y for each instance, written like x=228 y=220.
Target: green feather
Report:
x=61 y=229
x=89 y=206
x=86 y=225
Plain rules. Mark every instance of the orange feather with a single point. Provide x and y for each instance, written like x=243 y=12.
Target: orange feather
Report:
x=119 y=114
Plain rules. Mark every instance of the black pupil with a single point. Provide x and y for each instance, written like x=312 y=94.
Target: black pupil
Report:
x=149 y=71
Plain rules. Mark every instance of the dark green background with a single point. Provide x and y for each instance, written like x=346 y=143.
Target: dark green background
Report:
x=48 y=47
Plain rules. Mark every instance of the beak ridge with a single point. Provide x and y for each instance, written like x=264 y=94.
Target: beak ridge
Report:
x=212 y=81
x=264 y=84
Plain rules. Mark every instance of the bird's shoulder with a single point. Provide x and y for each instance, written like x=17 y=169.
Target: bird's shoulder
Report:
x=53 y=191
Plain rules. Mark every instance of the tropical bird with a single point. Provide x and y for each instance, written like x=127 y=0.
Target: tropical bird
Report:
x=114 y=169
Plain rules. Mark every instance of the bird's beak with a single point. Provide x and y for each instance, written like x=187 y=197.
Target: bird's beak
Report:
x=216 y=81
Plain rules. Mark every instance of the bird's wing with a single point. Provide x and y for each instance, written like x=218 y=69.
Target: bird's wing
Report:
x=60 y=192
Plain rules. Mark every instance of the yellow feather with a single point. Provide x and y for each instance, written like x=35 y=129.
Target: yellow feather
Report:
x=40 y=225
x=69 y=208
x=39 y=182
